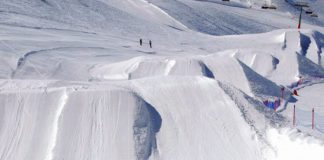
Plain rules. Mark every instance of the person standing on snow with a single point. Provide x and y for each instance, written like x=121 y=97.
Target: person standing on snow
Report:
x=141 y=41
x=150 y=42
x=300 y=80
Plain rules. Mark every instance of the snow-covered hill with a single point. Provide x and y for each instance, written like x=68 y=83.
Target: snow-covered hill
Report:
x=76 y=84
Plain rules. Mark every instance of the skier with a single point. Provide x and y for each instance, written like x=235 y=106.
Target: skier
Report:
x=141 y=41
x=300 y=80
x=150 y=42
x=277 y=104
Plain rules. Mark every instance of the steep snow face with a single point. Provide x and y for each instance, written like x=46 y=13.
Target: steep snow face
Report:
x=28 y=119
x=76 y=123
x=193 y=109
x=105 y=124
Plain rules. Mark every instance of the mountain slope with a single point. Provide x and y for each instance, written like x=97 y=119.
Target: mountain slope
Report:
x=76 y=84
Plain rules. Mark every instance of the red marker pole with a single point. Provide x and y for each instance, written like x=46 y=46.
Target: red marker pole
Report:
x=282 y=93
x=313 y=122
x=294 y=116
x=300 y=17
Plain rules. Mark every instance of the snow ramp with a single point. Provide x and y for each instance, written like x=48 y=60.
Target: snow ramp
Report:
x=77 y=123
x=200 y=121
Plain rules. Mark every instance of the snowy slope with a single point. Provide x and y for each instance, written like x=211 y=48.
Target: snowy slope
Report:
x=236 y=16
x=97 y=127
x=203 y=110
x=75 y=83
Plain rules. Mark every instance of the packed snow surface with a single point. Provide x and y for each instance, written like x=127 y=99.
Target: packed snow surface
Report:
x=76 y=84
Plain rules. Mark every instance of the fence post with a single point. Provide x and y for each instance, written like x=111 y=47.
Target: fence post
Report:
x=294 y=117
x=313 y=122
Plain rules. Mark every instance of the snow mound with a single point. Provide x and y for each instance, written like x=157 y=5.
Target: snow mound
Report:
x=205 y=111
x=141 y=67
x=72 y=122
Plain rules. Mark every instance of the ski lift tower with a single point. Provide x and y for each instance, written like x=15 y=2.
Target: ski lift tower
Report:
x=301 y=5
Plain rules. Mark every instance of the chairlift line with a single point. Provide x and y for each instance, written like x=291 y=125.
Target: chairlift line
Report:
x=305 y=5
x=301 y=4
x=314 y=15
x=308 y=11
x=272 y=7
x=268 y=5
x=265 y=7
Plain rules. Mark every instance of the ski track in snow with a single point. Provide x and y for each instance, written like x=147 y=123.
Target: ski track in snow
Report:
x=55 y=126
x=169 y=67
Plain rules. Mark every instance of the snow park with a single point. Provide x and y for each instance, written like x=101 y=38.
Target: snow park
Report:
x=161 y=80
